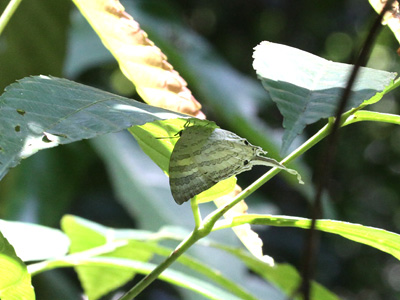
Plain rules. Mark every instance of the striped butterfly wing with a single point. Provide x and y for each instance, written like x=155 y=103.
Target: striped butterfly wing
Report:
x=203 y=156
x=185 y=178
x=224 y=155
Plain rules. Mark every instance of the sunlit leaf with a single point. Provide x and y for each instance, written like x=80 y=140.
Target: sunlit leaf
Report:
x=15 y=281
x=122 y=263
x=97 y=280
x=34 y=242
x=381 y=239
x=283 y=276
x=307 y=88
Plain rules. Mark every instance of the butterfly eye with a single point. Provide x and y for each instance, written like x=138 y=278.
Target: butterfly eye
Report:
x=246 y=142
x=246 y=162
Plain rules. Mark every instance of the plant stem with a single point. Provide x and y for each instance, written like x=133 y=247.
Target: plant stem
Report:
x=213 y=217
x=7 y=14
x=149 y=278
x=204 y=228
x=196 y=213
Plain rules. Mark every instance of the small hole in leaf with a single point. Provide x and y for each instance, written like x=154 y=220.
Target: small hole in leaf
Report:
x=45 y=139
x=21 y=112
x=17 y=128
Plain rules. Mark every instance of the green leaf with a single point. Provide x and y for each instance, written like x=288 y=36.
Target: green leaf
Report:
x=177 y=278
x=15 y=281
x=383 y=240
x=42 y=112
x=35 y=242
x=307 y=88
x=235 y=98
x=100 y=280
x=283 y=276
x=157 y=139
x=87 y=235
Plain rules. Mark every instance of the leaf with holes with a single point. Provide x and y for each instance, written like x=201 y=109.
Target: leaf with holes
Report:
x=42 y=112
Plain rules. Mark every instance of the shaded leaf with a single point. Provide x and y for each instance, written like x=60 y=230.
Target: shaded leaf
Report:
x=307 y=88
x=43 y=112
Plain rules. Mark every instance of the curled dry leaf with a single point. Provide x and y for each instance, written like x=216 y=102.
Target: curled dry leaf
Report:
x=140 y=60
x=391 y=18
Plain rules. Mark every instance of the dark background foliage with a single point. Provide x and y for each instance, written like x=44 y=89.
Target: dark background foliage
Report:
x=73 y=178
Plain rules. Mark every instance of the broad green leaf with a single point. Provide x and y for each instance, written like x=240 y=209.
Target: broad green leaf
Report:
x=43 y=112
x=34 y=242
x=383 y=240
x=235 y=98
x=97 y=280
x=15 y=281
x=307 y=88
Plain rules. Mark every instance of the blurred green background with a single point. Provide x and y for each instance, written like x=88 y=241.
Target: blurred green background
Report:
x=110 y=181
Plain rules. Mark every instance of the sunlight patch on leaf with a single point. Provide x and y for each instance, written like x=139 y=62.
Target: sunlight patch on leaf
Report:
x=307 y=88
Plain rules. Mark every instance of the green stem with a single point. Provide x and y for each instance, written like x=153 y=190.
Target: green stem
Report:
x=204 y=228
x=196 y=213
x=182 y=247
x=37 y=268
x=7 y=14
x=212 y=218
x=364 y=115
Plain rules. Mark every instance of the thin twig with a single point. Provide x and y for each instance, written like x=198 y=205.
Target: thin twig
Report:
x=325 y=163
x=8 y=13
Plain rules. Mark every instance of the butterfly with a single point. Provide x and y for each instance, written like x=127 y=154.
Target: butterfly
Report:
x=204 y=155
